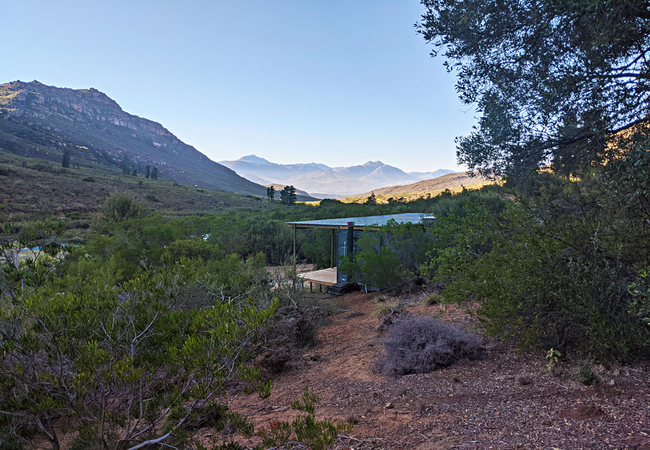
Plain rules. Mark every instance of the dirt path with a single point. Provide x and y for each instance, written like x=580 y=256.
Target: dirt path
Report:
x=505 y=400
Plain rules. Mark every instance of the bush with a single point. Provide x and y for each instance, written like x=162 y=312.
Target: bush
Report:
x=128 y=356
x=553 y=268
x=120 y=207
x=424 y=344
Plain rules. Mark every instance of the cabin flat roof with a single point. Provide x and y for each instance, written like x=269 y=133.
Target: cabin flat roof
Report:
x=362 y=222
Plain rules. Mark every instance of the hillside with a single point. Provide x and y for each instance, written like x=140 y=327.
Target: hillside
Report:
x=507 y=399
x=454 y=182
x=42 y=121
x=323 y=181
x=33 y=189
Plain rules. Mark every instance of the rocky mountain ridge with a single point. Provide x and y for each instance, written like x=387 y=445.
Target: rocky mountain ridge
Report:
x=42 y=121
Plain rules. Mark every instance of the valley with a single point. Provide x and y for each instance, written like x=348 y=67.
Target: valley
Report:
x=322 y=181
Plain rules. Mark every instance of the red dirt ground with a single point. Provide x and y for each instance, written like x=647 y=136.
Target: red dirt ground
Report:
x=505 y=400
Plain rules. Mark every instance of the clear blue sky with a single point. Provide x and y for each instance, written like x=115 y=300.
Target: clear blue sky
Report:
x=339 y=82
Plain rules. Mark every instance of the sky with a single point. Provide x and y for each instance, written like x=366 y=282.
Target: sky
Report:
x=338 y=82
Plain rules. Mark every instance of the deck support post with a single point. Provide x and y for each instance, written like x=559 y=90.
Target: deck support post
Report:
x=333 y=249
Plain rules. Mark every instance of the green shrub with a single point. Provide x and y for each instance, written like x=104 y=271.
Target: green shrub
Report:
x=552 y=268
x=377 y=270
x=587 y=375
x=116 y=347
x=121 y=207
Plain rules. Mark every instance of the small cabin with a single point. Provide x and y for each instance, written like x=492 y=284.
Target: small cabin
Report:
x=345 y=233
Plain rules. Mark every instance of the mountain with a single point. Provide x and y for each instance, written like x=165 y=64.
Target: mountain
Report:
x=262 y=171
x=42 y=121
x=453 y=181
x=421 y=176
x=323 y=181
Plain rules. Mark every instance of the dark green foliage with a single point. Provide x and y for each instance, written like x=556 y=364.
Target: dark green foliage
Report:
x=304 y=431
x=288 y=195
x=587 y=375
x=154 y=173
x=147 y=172
x=5 y=171
x=84 y=345
x=640 y=302
x=270 y=193
x=211 y=415
x=424 y=344
x=376 y=269
x=388 y=257
x=565 y=86
x=65 y=163
x=551 y=269
x=121 y=207
x=551 y=79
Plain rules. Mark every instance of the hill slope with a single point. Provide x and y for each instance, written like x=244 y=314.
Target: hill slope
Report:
x=41 y=121
x=34 y=189
x=453 y=181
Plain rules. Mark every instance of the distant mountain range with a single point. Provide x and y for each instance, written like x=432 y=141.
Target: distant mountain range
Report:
x=323 y=181
x=42 y=121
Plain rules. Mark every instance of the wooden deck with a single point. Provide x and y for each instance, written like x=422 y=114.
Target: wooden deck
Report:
x=325 y=277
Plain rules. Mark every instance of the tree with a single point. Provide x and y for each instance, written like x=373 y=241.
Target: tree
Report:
x=270 y=193
x=125 y=165
x=291 y=195
x=154 y=173
x=372 y=199
x=288 y=195
x=66 y=158
x=551 y=79
x=148 y=172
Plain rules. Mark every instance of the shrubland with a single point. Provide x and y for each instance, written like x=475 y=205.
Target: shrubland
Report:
x=554 y=261
x=129 y=339
x=560 y=262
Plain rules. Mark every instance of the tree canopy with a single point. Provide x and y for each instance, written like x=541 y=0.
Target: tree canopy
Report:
x=551 y=79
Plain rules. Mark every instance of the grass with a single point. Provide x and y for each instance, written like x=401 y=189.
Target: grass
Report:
x=432 y=299
x=33 y=189
x=385 y=308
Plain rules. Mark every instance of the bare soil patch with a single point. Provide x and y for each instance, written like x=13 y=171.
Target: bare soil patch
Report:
x=504 y=400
